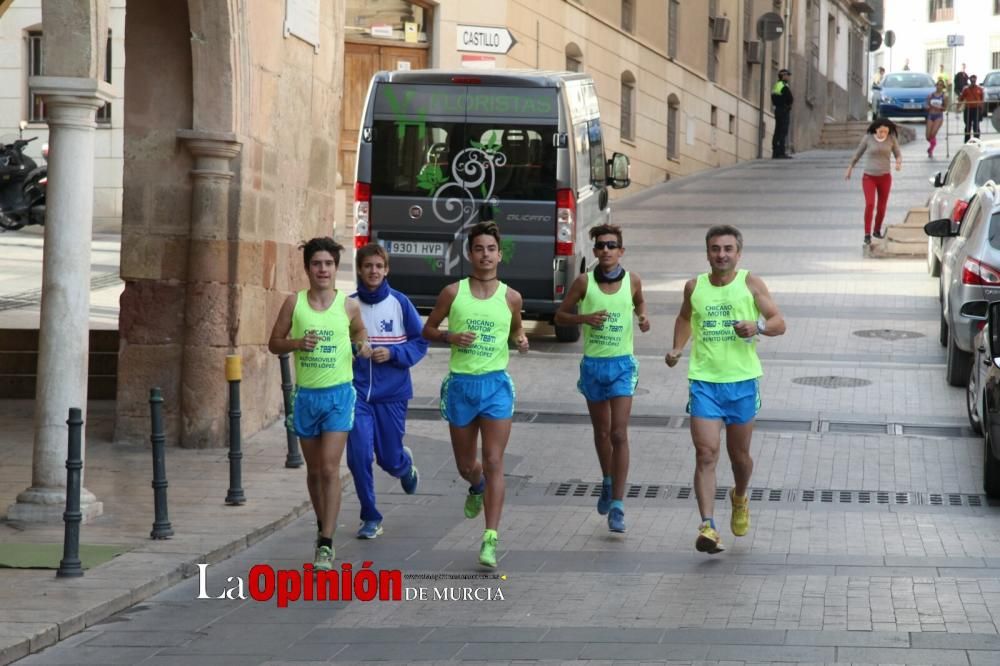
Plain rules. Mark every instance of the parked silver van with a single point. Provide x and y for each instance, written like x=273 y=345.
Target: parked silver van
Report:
x=440 y=151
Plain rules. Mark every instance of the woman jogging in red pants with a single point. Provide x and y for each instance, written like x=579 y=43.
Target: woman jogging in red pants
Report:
x=880 y=144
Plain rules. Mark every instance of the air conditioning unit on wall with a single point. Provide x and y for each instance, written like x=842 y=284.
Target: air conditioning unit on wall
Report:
x=720 y=29
x=754 y=53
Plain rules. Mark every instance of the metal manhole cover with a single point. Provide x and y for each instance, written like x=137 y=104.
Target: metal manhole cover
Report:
x=888 y=334
x=832 y=382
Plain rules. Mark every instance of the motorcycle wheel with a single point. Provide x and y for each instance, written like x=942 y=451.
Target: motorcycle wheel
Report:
x=10 y=223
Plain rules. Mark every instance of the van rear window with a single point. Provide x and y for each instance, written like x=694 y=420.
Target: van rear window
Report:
x=506 y=161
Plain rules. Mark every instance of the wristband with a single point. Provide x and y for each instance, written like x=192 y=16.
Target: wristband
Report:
x=446 y=336
x=760 y=324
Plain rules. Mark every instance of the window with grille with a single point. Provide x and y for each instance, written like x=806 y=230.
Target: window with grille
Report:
x=996 y=8
x=941 y=10
x=36 y=67
x=628 y=15
x=574 y=58
x=713 y=46
x=748 y=36
x=628 y=106
x=673 y=17
x=996 y=58
x=673 y=126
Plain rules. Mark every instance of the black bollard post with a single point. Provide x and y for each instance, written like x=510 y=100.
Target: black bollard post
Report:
x=161 y=523
x=70 y=565
x=234 y=374
x=294 y=458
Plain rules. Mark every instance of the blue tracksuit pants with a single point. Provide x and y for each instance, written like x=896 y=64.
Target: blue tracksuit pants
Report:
x=377 y=435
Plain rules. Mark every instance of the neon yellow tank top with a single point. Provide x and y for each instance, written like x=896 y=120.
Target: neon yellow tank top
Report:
x=614 y=338
x=490 y=319
x=329 y=364
x=717 y=353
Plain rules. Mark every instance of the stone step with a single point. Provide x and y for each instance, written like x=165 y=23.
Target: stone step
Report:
x=19 y=363
x=902 y=234
x=22 y=387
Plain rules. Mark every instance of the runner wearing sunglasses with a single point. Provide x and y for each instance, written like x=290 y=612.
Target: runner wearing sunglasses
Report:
x=607 y=297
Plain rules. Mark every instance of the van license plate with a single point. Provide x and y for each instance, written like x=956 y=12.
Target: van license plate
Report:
x=413 y=248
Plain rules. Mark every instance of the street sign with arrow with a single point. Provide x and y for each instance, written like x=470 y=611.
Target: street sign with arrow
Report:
x=484 y=39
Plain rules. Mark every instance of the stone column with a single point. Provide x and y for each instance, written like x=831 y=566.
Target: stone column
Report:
x=65 y=318
x=211 y=301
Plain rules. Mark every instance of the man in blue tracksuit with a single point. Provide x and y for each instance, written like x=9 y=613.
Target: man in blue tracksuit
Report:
x=382 y=384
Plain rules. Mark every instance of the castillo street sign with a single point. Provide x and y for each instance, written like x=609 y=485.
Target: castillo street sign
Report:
x=484 y=39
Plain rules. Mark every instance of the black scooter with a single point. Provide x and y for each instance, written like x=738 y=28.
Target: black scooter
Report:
x=22 y=185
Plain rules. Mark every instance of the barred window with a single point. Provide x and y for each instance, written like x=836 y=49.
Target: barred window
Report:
x=628 y=106
x=628 y=15
x=36 y=67
x=673 y=126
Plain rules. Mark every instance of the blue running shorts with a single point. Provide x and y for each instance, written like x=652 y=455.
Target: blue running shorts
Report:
x=605 y=378
x=465 y=398
x=735 y=403
x=330 y=409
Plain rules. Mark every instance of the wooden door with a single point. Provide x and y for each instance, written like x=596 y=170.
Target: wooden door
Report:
x=361 y=61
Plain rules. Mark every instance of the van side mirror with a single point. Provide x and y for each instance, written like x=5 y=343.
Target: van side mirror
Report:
x=618 y=171
x=937 y=180
x=993 y=339
x=940 y=228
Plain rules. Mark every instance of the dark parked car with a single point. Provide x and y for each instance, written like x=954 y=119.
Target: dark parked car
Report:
x=991 y=405
x=991 y=90
x=904 y=94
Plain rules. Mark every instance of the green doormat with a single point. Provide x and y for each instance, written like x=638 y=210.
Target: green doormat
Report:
x=48 y=555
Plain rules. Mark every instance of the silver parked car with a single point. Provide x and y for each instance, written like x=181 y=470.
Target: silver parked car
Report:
x=974 y=163
x=970 y=277
x=974 y=396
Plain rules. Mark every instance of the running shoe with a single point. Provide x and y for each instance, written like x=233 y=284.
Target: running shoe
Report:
x=488 y=549
x=709 y=540
x=868 y=239
x=474 y=504
x=410 y=480
x=324 y=558
x=370 y=529
x=604 y=502
x=616 y=520
x=739 y=522
x=879 y=233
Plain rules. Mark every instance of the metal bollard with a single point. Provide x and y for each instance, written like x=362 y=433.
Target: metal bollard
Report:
x=70 y=565
x=234 y=374
x=161 y=523
x=294 y=458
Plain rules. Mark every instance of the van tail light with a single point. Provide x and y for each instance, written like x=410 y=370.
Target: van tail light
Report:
x=958 y=212
x=975 y=272
x=362 y=214
x=565 y=222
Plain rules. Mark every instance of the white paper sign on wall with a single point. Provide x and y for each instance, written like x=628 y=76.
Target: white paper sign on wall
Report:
x=302 y=20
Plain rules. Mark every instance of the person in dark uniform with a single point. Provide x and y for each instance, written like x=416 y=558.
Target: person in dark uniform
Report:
x=781 y=98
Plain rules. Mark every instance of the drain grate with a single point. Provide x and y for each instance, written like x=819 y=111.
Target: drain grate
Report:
x=888 y=334
x=872 y=498
x=832 y=382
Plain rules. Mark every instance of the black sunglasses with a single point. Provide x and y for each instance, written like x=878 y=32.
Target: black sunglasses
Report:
x=611 y=245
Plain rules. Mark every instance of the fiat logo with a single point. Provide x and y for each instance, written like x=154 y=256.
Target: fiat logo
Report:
x=416 y=212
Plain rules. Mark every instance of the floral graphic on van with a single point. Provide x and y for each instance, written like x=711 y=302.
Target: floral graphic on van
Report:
x=473 y=177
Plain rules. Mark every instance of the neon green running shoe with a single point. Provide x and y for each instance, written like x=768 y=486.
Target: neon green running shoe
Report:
x=488 y=549
x=739 y=522
x=324 y=558
x=474 y=504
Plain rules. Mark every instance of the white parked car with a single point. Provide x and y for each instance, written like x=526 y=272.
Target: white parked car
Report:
x=974 y=164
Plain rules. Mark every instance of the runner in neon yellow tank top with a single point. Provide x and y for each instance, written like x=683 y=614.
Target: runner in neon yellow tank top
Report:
x=725 y=310
x=477 y=396
x=607 y=297
x=322 y=328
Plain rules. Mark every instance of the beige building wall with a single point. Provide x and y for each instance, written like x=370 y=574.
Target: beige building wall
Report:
x=610 y=53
